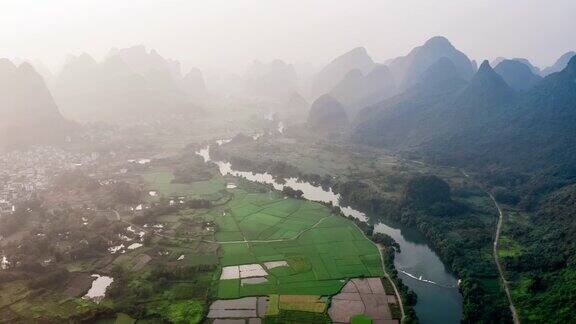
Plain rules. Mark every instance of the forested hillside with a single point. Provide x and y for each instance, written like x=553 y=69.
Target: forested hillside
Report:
x=520 y=144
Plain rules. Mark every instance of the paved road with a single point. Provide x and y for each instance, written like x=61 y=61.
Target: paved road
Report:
x=499 y=266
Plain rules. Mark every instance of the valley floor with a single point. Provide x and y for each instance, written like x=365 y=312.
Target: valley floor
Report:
x=245 y=252
x=365 y=176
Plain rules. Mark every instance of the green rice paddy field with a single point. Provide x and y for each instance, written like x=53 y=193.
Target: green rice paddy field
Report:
x=322 y=249
x=248 y=224
x=161 y=181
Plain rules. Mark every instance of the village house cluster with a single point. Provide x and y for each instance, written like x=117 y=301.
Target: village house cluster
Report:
x=23 y=172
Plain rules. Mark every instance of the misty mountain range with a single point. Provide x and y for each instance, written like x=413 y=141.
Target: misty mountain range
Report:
x=527 y=123
x=129 y=81
x=28 y=112
x=422 y=100
x=435 y=103
x=275 y=80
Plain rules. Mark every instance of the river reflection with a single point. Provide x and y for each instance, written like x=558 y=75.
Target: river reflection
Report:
x=419 y=267
x=310 y=191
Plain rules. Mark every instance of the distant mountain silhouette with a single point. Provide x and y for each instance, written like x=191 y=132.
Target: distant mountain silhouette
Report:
x=296 y=103
x=327 y=114
x=436 y=109
x=486 y=122
x=136 y=72
x=407 y=70
x=412 y=117
x=441 y=77
x=487 y=90
x=357 y=90
x=129 y=83
x=28 y=114
x=350 y=89
x=7 y=87
x=335 y=71
x=194 y=85
x=540 y=130
x=293 y=110
x=517 y=74
x=31 y=96
x=143 y=62
x=439 y=83
x=535 y=70
x=559 y=65
x=44 y=72
x=498 y=60
x=276 y=80
x=79 y=77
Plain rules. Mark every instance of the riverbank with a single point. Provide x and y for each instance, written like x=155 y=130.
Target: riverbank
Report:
x=315 y=193
x=372 y=180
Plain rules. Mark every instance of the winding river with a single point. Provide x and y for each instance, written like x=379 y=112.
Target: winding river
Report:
x=419 y=267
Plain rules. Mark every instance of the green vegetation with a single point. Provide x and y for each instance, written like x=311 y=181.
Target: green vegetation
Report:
x=537 y=251
x=508 y=248
x=426 y=190
x=305 y=303
x=174 y=275
x=185 y=312
x=297 y=317
x=450 y=210
x=162 y=180
x=168 y=279
x=124 y=319
x=53 y=306
x=409 y=298
x=273 y=307
x=229 y=289
x=395 y=311
x=120 y=318
x=360 y=319
x=530 y=171
x=321 y=249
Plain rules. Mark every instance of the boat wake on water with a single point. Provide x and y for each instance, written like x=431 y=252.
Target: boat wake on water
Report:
x=420 y=278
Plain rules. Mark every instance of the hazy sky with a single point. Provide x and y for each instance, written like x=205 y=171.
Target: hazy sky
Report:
x=231 y=33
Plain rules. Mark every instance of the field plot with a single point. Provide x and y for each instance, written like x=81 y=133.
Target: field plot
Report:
x=271 y=309
x=295 y=252
x=305 y=303
x=364 y=297
x=251 y=309
x=160 y=180
x=304 y=248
